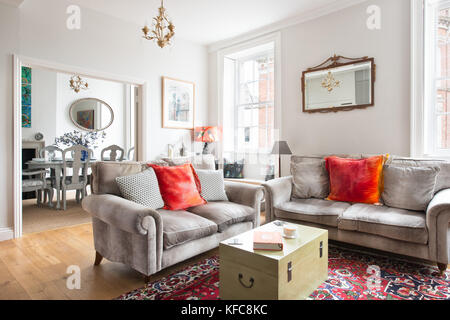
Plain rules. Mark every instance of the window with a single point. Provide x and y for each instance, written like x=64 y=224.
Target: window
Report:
x=437 y=78
x=248 y=103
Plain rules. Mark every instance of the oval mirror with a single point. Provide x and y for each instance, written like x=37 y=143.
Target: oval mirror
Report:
x=91 y=114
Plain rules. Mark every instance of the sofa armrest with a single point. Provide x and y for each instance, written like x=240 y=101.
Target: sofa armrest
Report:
x=438 y=220
x=124 y=214
x=247 y=195
x=278 y=191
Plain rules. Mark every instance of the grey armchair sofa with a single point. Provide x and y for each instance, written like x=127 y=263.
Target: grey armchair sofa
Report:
x=424 y=235
x=151 y=240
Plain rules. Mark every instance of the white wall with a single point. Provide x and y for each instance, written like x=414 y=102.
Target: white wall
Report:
x=43 y=105
x=9 y=30
x=113 y=93
x=110 y=45
x=105 y=44
x=383 y=128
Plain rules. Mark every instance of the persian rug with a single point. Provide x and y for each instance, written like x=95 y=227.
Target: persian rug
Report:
x=352 y=275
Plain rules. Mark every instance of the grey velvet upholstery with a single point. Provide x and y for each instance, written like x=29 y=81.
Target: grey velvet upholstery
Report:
x=181 y=226
x=150 y=240
x=410 y=188
x=423 y=234
x=310 y=178
x=224 y=213
x=312 y=210
x=385 y=221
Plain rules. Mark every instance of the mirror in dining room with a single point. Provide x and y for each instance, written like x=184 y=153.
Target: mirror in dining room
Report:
x=91 y=114
x=339 y=84
x=56 y=117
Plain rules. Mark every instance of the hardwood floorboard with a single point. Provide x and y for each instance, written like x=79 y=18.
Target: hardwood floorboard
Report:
x=35 y=267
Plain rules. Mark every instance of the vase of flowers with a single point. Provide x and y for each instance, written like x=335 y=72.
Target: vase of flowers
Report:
x=88 y=140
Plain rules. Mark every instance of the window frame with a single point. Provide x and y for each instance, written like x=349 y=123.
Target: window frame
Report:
x=423 y=79
x=238 y=104
x=222 y=54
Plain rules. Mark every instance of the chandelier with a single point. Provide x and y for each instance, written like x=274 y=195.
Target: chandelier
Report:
x=163 y=29
x=76 y=83
x=330 y=82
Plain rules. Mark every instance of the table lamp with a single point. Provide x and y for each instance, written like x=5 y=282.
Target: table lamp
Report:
x=206 y=135
x=281 y=148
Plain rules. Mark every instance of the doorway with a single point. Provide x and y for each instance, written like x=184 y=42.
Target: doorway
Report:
x=44 y=115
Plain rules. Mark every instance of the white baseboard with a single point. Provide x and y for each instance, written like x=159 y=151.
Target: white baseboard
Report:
x=6 y=234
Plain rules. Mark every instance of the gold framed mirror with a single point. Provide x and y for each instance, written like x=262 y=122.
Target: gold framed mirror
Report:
x=339 y=84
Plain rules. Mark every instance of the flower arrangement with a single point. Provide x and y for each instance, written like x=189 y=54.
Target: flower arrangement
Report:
x=88 y=140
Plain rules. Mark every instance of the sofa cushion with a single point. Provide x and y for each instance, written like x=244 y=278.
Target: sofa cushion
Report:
x=224 y=213
x=312 y=210
x=309 y=178
x=355 y=180
x=443 y=178
x=181 y=226
x=141 y=188
x=104 y=175
x=410 y=188
x=179 y=186
x=398 y=224
x=213 y=185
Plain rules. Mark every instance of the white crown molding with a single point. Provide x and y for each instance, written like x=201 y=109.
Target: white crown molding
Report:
x=302 y=18
x=13 y=3
x=6 y=234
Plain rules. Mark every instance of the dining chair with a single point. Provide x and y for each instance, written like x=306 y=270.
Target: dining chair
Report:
x=131 y=151
x=37 y=182
x=51 y=150
x=79 y=179
x=113 y=154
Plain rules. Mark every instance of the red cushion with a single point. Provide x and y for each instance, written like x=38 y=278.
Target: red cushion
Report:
x=355 y=180
x=180 y=187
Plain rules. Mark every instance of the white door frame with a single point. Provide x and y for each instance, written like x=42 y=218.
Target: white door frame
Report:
x=18 y=62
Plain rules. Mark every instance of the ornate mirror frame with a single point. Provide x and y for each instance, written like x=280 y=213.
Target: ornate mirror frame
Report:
x=91 y=130
x=334 y=62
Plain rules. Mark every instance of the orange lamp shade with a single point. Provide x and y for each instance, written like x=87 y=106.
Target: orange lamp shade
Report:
x=207 y=134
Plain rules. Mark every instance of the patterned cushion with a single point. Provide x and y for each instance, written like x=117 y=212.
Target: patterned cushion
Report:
x=142 y=188
x=213 y=186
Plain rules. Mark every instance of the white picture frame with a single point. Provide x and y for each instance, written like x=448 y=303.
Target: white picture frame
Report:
x=178 y=104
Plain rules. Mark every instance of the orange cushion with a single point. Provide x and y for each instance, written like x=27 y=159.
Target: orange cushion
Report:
x=179 y=186
x=355 y=180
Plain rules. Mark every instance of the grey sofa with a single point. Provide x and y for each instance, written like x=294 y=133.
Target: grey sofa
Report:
x=151 y=240
x=424 y=235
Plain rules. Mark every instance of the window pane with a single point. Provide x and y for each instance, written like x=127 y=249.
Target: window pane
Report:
x=443 y=128
x=249 y=93
x=443 y=44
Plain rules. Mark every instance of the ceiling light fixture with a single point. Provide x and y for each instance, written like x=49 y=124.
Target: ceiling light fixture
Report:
x=163 y=28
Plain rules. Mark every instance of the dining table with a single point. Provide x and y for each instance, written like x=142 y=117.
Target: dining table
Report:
x=56 y=167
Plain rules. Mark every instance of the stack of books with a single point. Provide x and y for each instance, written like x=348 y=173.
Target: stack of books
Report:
x=268 y=241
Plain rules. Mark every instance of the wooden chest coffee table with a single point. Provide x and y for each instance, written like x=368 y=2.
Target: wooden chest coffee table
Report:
x=291 y=274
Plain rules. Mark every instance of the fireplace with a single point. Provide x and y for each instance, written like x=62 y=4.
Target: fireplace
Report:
x=30 y=150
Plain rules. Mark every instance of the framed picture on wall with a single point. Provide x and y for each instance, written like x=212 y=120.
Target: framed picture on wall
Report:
x=178 y=103
x=85 y=119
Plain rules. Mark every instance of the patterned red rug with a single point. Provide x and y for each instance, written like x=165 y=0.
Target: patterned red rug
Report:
x=352 y=276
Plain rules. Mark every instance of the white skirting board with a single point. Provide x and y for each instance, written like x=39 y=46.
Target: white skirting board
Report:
x=6 y=234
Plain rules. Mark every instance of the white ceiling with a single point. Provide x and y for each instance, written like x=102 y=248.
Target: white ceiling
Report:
x=210 y=21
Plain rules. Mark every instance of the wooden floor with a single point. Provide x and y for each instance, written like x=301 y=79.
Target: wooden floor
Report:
x=34 y=267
